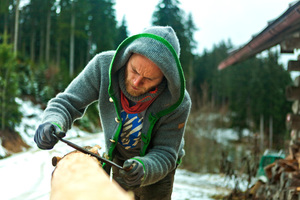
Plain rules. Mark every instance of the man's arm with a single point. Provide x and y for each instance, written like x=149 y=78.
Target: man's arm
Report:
x=62 y=110
x=168 y=140
x=71 y=104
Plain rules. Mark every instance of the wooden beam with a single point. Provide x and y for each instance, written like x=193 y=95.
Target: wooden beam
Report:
x=292 y=93
x=293 y=121
x=295 y=107
x=294 y=65
x=80 y=176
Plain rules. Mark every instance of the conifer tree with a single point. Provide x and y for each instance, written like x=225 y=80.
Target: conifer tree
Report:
x=169 y=13
x=122 y=32
x=9 y=109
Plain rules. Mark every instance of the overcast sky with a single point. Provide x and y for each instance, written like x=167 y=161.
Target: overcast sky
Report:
x=216 y=20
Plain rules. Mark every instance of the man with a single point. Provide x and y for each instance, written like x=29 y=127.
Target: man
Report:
x=143 y=107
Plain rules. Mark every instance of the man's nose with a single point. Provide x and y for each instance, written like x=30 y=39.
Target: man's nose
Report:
x=138 y=81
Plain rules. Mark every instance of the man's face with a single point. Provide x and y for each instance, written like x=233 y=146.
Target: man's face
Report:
x=141 y=75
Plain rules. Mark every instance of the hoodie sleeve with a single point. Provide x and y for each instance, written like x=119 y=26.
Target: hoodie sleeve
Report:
x=82 y=91
x=163 y=153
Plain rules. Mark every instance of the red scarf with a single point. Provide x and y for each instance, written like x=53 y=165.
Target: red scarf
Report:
x=139 y=106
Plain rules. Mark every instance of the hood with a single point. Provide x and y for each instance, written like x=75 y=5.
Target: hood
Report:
x=161 y=46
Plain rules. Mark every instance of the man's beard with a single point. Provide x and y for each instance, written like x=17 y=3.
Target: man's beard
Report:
x=133 y=92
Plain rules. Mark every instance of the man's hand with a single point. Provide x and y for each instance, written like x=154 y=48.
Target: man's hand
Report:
x=132 y=173
x=43 y=136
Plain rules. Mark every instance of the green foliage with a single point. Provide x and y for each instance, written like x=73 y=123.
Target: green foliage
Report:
x=253 y=88
x=122 y=32
x=9 y=109
x=102 y=24
x=95 y=30
x=209 y=82
x=258 y=88
x=168 y=13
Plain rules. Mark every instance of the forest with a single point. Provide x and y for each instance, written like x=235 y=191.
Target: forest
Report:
x=45 y=44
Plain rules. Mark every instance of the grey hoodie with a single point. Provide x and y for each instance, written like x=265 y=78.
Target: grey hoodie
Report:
x=164 y=120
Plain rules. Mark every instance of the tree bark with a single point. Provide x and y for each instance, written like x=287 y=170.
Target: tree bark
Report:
x=48 y=29
x=16 y=28
x=191 y=78
x=5 y=29
x=72 y=41
x=58 y=49
x=3 y=98
x=261 y=132
x=32 y=45
x=271 y=132
x=89 y=45
x=42 y=44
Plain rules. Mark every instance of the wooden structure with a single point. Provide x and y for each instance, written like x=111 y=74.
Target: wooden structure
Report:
x=283 y=31
x=79 y=176
x=283 y=175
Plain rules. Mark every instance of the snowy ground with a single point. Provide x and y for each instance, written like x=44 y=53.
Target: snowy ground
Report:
x=27 y=175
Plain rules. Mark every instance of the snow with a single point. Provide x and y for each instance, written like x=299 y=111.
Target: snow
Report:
x=222 y=136
x=190 y=185
x=27 y=175
x=3 y=151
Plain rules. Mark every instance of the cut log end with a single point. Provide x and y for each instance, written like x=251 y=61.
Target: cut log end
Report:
x=55 y=160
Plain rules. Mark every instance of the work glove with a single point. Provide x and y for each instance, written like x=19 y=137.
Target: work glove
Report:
x=132 y=174
x=43 y=136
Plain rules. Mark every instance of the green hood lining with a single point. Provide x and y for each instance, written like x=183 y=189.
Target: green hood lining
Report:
x=152 y=119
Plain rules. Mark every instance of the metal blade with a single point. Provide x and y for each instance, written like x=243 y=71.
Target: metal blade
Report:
x=83 y=150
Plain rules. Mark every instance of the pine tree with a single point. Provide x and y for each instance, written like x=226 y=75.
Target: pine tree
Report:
x=102 y=24
x=4 y=16
x=122 y=32
x=9 y=109
x=255 y=88
x=168 y=13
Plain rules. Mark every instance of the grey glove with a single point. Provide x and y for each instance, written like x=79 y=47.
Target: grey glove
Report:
x=43 y=136
x=132 y=173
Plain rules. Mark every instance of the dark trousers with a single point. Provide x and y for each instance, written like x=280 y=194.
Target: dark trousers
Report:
x=161 y=190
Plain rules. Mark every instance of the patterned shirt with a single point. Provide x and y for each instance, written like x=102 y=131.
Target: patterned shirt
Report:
x=129 y=143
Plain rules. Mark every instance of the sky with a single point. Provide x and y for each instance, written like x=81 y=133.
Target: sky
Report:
x=216 y=20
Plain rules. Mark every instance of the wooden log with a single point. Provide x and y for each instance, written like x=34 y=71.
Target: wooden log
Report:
x=292 y=93
x=294 y=65
x=276 y=172
x=253 y=190
x=297 y=81
x=293 y=149
x=288 y=165
x=286 y=47
x=283 y=180
x=295 y=107
x=293 y=181
x=268 y=170
x=78 y=176
x=296 y=174
x=94 y=150
x=293 y=121
x=290 y=44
